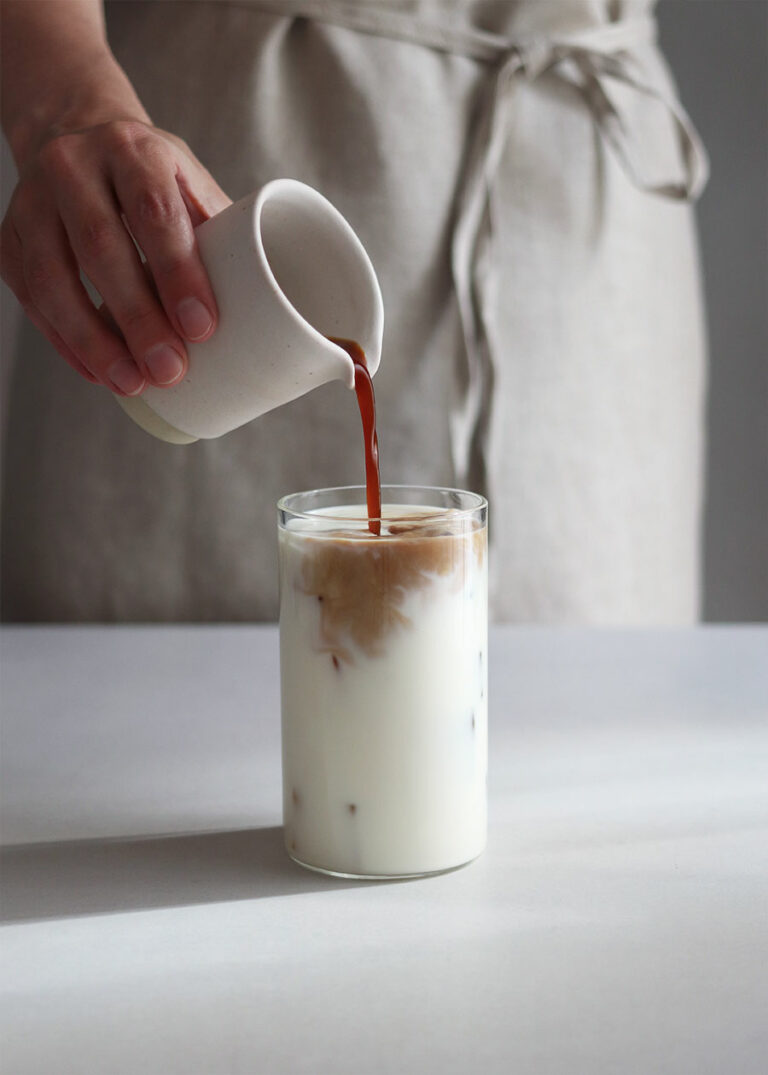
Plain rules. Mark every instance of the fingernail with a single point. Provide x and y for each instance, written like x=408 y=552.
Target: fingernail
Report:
x=195 y=319
x=164 y=364
x=126 y=376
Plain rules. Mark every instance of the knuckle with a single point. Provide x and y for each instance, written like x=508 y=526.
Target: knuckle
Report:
x=175 y=139
x=157 y=208
x=126 y=135
x=57 y=156
x=41 y=272
x=87 y=344
x=97 y=238
x=175 y=270
x=139 y=320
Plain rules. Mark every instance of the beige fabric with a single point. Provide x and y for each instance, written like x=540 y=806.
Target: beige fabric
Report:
x=516 y=171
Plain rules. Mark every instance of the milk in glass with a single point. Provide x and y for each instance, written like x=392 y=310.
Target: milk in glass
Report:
x=383 y=651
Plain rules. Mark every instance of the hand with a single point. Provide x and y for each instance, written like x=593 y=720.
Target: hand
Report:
x=79 y=199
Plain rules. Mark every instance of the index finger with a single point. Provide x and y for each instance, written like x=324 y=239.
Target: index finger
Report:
x=154 y=209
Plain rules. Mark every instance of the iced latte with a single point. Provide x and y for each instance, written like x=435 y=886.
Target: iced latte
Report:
x=383 y=653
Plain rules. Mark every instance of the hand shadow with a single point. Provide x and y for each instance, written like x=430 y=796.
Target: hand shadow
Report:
x=86 y=877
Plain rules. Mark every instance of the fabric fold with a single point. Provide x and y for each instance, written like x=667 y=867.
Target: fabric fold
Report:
x=591 y=59
x=597 y=56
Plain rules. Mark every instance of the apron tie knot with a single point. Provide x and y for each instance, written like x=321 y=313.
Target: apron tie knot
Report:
x=591 y=61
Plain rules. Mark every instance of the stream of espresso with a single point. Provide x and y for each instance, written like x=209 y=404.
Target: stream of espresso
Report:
x=367 y=404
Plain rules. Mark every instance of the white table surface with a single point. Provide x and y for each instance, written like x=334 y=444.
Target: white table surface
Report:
x=617 y=923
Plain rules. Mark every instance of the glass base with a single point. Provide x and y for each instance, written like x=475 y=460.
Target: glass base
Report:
x=382 y=876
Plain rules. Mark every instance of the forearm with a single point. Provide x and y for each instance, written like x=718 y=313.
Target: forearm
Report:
x=58 y=72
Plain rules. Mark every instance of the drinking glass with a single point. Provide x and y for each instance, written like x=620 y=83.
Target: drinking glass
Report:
x=383 y=657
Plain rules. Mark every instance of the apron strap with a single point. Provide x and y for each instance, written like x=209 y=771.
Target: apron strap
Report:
x=592 y=59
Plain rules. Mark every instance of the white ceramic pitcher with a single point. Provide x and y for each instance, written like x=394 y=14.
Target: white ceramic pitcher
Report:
x=287 y=271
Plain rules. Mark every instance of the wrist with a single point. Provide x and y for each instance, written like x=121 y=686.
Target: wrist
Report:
x=71 y=105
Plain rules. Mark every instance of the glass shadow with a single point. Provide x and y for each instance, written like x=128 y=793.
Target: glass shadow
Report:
x=87 y=877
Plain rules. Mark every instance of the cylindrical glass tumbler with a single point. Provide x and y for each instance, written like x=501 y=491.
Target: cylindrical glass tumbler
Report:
x=383 y=657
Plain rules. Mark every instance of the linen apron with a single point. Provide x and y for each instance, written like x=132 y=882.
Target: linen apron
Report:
x=518 y=173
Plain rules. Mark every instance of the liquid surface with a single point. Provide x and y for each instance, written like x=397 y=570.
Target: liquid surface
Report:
x=364 y=584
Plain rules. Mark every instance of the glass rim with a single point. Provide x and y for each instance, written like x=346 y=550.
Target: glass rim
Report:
x=283 y=504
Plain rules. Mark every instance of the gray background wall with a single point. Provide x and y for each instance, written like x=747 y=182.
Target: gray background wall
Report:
x=718 y=50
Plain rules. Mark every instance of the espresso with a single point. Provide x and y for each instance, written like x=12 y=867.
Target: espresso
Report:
x=366 y=401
